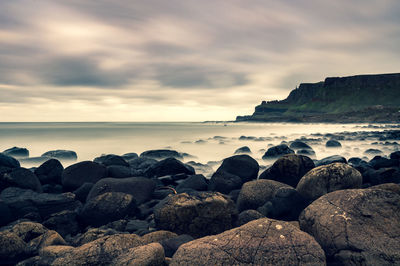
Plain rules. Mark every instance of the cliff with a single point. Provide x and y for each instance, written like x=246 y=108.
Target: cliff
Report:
x=362 y=98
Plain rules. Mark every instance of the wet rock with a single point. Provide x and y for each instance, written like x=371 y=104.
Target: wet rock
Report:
x=299 y=145
x=248 y=216
x=22 y=178
x=6 y=215
x=395 y=155
x=50 y=172
x=147 y=255
x=171 y=245
x=130 y=156
x=224 y=182
x=8 y=161
x=119 y=171
x=34 y=160
x=277 y=151
x=328 y=178
x=140 y=188
x=108 y=207
x=83 y=191
x=12 y=248
x=169 y=166
x=242 y=166
x=372 y=152
x=381 y=162
x=197 y=215
x=288 y=169
x=333 y=144
x=61 y=155
x=242 y=150
x=381 y=176
x=17 y=152
x=260 y=242
x=161 y=154
x=77 y=174
x=306 y=152
x=331 y=159
x=111 y=159
x=195 y=182
x=141 y=163
x=356 y=226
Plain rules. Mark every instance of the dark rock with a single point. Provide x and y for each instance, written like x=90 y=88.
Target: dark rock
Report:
x=111 y=159
x=356 y=226
x=34 y=160
x=248 y=216
x=256 y=193
x=142 y=163
x=61 y=155
x=108 y=207
x=196 y=182
x=197 y=215
x=119 y=171
x=150 y=255
x=140 y=188
x=331 y=159
x=135 y=225
x=50 y=172
x=224 y=182
x=277 y=151
x=242 y=150
x=157 y=236
x=92 y=234
x=333 y=144
x=102 y=251
x=83 y=191
x=381 y=162
x=28 y=231
x=381 y=176
x=395 y=155
x=8 y=161
x=286 y=204
x=6 y=215
x=306 y=152
x=299 y=145
x=169 y=166
x=234 y=194
x=12 y=248
x=171 y=245
x=130 y=156
x=260 y=242
x=64 y=222
x=161 y=154
x=327 y=178
x=372 y=151
x=22 y=178
x=77 y=174
x=289 y=169
x=388 y=186
x=24 y=201
x=17 y=152
x=355 y=161
x=242 y=166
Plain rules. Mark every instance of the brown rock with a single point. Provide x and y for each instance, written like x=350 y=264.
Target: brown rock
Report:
x=148 y=255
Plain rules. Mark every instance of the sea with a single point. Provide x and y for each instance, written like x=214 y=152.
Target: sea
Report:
x=204 y=141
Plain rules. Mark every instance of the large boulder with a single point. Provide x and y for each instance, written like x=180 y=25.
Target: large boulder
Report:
x=224 y=182
x=8 y=161
x=327 y=178
x=22 y=202
x=289 y=169
x=108 y=207
x=140 y=188
x=260 y=242
x=169 y=166
x=195 y=182
x=111 y=159
x=161 y=154
x=102 y=251
x=199 y=214
x=242 y=166
x=50 y=172
x=356 y=226
x=22 y=178
x=61 y=155
x=77 y=174
x=17 y=152
x=147 y=255
x=277 y=151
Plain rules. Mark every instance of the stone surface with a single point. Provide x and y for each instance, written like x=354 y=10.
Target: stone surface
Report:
x=224 y=182
x=195 y=182
x=22 y=178
x=328 y=178
x=8 y=161
x=61 y=155
x=17 y=152
x=50 y=172
x=242 y=166
x=248 y=216
x=161 y=154
x=157 y=236
x=277 y=151
x=333 y=144
x=147 y=255
x=111 y=159
x=12 y=248
x=260 y=242
x=197 y=215
x=331 y=159
x=169 y=166
x=356 y=226
x=243 y=150
x=77 y=174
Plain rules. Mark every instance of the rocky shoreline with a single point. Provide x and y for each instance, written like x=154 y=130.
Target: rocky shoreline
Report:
x=154 y=209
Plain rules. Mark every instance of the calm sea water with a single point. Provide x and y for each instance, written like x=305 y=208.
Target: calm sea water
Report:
x=90 y=140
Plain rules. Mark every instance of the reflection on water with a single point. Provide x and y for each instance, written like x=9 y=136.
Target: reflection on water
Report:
x=90 y=140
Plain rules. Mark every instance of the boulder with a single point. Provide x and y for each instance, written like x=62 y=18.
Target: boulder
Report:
x=77 y=174
x=356 y=226
x=64 y=222
x=299 y=145
x=169 y=166
x=157 y=236
x=50 y=172
x=130 y=156
x=242 y=150
x=83 y=191
x=48 y=238
x=17 y=152
x=224 y=182
x=119 y=171
x=381 y=176
x=333 y=144
x=331 y=159
x=242 y=166
x=171 y=245
x=195 y=182
x=277 y=151
x=8 y=161
x=28 y=231
x=388 y=186
x=327 y=178
x=92 y=234
x=111 y=159
x=372 y=152
x=6 y=215
x=395 y=155
x=102 y=251
x=260 y=242
x=12 y=248
x=22 y=178
x=381 y=162
x=61 y=155
x=289 y=169
x=198 y=215
x=256 y=193
x=22 y=202
x=161 y=154
x=140 y=188
x=147 y=255
x=306 y=152
x=248 y=216
x=108 y=207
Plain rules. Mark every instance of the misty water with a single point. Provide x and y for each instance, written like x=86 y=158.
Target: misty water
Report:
x=204 y=141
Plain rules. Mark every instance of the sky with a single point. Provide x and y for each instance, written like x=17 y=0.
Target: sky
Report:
x=187 y=60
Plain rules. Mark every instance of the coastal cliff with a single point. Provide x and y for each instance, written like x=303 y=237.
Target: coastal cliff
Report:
x=362 y=98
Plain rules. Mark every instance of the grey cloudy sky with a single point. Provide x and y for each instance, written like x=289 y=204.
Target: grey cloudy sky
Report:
x=191 y=60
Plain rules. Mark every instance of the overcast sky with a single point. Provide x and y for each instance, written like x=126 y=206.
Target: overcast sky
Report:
x=187 y=60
